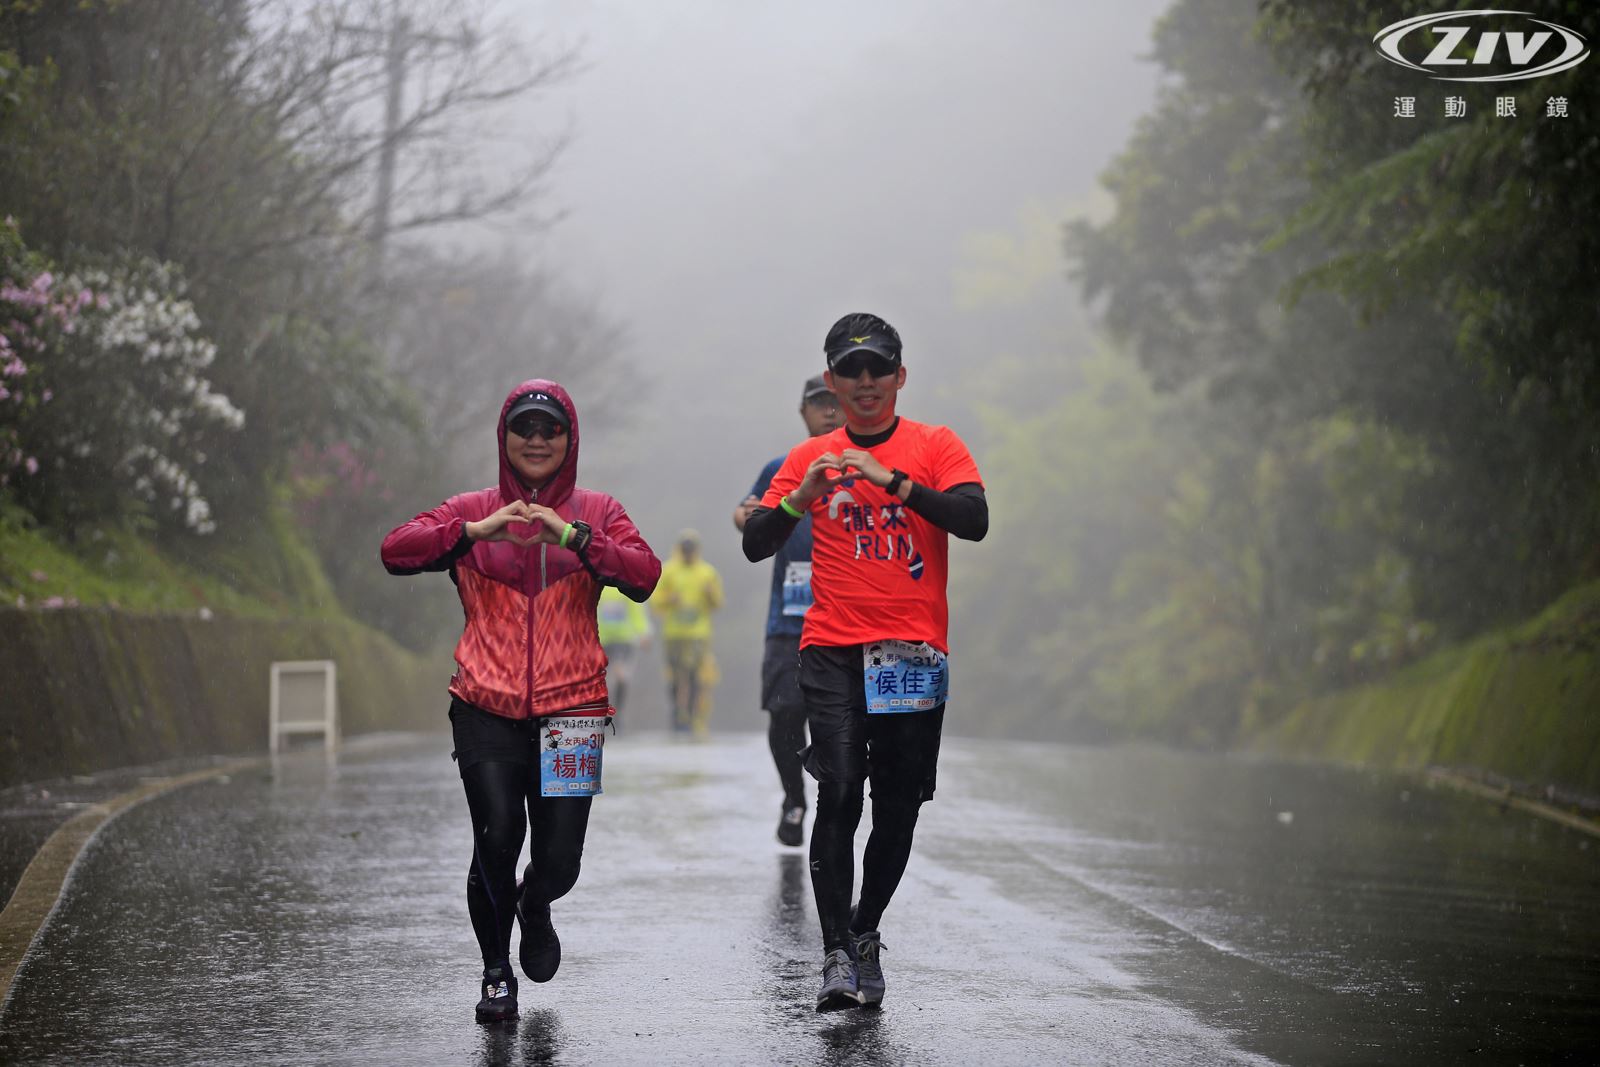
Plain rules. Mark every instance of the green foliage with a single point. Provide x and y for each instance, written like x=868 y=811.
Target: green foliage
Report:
x=1518 y=701
x=1370 y=432
x=119 y=569
x=1066 y=487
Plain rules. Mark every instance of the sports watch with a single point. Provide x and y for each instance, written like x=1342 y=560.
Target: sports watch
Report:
x=581 y=533
x=895 y=479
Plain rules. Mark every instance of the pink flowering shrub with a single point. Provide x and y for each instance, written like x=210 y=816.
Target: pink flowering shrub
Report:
x=105 y=409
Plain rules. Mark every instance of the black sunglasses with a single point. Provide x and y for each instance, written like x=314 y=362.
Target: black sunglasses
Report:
x=526 y=426
x=874 y=363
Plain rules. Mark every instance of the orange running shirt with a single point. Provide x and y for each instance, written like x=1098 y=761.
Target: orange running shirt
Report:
x=878 y=568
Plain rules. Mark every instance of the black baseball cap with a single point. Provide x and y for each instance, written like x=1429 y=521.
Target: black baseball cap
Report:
x=814 y=387
x=858 y=332
x=538 y=400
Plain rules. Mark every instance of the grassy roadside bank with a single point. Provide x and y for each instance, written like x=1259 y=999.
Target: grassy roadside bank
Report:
x=1519 y=708
x=115 y=654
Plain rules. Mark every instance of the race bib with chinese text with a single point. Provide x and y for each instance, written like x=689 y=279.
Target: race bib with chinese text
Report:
x=569 y=755
x=797 y=587
x=902 y=676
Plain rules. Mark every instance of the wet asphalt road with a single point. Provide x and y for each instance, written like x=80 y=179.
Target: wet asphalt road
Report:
x=1062 y=906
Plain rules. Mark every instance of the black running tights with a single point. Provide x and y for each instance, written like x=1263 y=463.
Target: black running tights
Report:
x=786 y=736
x=496 y=795
x=894 y=819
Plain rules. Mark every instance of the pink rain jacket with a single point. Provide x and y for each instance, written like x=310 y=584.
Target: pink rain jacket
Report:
x=531 y=646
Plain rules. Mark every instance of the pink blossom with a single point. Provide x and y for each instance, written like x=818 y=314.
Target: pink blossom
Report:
x=5 y=343
x=15 y=368
x=32 y=465
x=39 y=576
x=43 y=282
x=47 y=396
x=6 y=393
x=53 y=602
x=85 y=298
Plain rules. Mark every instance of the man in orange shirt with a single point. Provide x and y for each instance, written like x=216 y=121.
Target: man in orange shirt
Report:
x=884 y=494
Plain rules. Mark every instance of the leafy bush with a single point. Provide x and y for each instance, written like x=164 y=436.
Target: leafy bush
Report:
x=105 y=395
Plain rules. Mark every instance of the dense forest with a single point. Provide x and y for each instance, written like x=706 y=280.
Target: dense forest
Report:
x=1347 y=411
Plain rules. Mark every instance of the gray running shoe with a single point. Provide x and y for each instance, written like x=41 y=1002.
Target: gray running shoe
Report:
x=792 y=827
x=840 y=988
x=869 y=972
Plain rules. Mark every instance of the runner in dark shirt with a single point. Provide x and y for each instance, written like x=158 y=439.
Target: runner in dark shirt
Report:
x=791 y=597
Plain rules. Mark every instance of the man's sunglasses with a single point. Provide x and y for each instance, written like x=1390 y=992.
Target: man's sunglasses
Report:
x=534 y=426
x=851 y=366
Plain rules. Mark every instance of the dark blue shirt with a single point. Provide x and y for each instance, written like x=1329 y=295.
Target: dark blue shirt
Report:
x=791 y=567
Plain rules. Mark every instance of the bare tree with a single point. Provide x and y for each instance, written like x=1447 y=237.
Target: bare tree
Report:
x=467 y=329
x=259 y=126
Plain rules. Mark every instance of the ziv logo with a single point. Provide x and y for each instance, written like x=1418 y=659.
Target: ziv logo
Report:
x=1508 y=55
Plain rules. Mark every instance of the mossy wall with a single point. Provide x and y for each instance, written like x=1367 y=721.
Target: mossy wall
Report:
x=1522 y=702
x=87 y=689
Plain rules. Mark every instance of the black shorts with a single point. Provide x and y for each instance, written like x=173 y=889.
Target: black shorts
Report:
x=899 y=752
x=780 y=675
x=484 y=737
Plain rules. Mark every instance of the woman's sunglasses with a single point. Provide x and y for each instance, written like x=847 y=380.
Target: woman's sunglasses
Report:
x=533 y=426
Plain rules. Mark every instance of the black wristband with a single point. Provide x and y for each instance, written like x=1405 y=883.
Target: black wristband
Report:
x=895 y=479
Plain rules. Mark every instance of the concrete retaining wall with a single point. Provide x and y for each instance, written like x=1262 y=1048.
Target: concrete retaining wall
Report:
x=87 y=689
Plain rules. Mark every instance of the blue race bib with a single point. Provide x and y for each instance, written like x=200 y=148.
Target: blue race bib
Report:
x=797 y=587
x=569 y=755
x=902 y=676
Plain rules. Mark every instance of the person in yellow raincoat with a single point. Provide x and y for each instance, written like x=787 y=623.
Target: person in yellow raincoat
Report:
x=689 y=592
x=624 y=630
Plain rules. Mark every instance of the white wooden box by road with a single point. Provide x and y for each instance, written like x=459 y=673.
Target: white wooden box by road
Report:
x=304 y=700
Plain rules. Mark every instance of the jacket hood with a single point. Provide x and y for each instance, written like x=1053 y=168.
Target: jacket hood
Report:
x=559 y=487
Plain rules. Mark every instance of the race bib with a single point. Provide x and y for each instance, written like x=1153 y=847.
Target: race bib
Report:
x=902 y=676
x=797 y=587
x=569 y=755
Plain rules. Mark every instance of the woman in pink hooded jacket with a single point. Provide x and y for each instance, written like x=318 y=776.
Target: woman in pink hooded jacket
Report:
x=529 y=702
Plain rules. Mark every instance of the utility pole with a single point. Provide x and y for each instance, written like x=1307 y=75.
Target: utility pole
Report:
x=399 y=41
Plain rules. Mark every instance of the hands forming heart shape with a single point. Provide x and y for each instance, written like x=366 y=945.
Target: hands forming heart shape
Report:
x=544 y=526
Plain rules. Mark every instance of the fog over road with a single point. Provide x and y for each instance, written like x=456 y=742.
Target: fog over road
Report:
x=1062 y=905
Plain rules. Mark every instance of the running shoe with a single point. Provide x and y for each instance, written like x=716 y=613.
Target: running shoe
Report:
x=840 y=988
x=540 y=951
x=869 y=973
x=792 y=827
x=499 y=989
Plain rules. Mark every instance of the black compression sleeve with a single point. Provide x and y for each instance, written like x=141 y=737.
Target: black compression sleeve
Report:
x=962 y=509
x=765 y=531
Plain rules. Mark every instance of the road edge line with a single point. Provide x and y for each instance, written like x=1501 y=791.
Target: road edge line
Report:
x=44 y=881
x=1507 y=798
